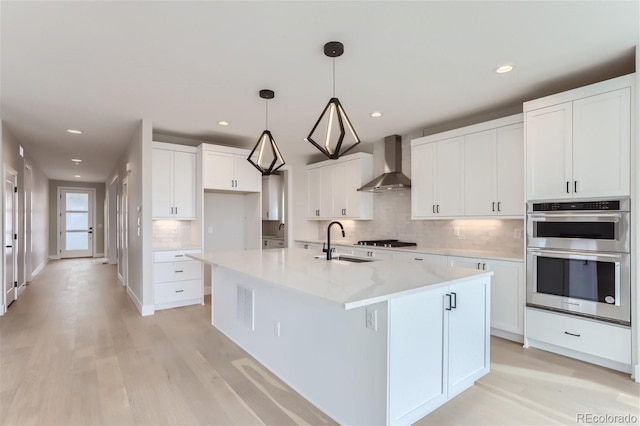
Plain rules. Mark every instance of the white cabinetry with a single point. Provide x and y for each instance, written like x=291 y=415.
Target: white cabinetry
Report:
x=375 y=254
x=272 y=243
x=578 y=142
x=308 y=246
x=173 y=181
x=437 y=178
x=177 y=279
x=271 y=197
x=429 y=259
x=332 y=188
x=507 y=294
x=494 y=176
x=227 y=169
x=443 y=347
x=604 y=344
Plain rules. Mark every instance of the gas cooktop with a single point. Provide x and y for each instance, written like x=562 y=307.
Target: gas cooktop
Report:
x=386 y=243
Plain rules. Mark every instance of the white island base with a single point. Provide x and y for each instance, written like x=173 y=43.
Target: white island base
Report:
x=374 y=360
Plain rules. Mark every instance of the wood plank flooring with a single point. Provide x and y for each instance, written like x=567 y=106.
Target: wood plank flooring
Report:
x=74 y=350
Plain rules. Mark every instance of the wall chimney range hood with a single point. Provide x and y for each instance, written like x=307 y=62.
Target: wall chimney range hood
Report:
x=392 y=179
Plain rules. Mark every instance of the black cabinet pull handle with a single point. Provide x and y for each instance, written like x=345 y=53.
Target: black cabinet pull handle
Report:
x=437 y=208
x=484 y=266
x=455 y=300
x=178 y=255
x=478 y=265
x=498 y=205
x=448 y=308
x=433 y=208
x=178 y=271
x=575 y=186
x=417 y=258
x=179 y=291
x=571 y=334
x=493 y=206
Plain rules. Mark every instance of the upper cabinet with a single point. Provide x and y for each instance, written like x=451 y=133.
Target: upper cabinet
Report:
x=272 y=197
x=475 y=171
x=578 y=142
x=437 y=174
x=173 y=175
x=332 y=188
x=227 y=169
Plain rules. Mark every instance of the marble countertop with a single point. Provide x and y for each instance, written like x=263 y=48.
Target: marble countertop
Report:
x=484 y=254
x=174 y=247
x=352 y=285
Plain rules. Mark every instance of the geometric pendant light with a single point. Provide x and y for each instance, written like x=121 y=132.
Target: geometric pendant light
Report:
x=266 y=156
x=333 y=133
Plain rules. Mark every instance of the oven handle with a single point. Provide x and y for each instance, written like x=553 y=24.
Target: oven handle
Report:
x=589 y=254
x=543 y=216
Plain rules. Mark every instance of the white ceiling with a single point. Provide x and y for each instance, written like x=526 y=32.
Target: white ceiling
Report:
x=102 y=66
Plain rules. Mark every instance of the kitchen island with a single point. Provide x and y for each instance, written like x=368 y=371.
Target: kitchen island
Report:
x=380 y=342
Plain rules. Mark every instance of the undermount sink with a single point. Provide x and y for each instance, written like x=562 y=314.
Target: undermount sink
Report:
x=341 y=257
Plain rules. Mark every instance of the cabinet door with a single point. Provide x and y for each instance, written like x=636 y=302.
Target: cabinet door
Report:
x=466 y=262
x=468 y=335
x=326 y=192
x=346 y=180
x=423 y=199
x=509 y=170
x=161 y=183
x=601 y=145
x=548 y=140
x=271 y=197
x=184 y=185
x=340 y=188
x=450 y=177
x=217 y=171
x=314 y=189
x=507 y=296
x=265 y=198
x=480 y=197
x=247 y=177
x=416 y=337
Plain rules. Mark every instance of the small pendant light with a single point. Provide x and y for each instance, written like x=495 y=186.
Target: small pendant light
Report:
x=333 y=133
x=266 y=156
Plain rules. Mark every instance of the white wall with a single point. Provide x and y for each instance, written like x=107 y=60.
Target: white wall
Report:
x=138 y=156
x=39 y=219
x=635 y=241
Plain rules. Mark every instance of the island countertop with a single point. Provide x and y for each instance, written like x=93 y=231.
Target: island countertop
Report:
x=352 y=285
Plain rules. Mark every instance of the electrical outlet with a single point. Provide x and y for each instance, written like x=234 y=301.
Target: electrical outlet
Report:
x=456 y=232
x=210 y=229
x=372 y=318
x=517 y=233
x=276 y=329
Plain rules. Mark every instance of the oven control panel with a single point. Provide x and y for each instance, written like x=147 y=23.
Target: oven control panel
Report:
x=583 y=205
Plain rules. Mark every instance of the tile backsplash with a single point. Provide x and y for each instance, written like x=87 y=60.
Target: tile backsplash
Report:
x=170 y=234
x=392 y=219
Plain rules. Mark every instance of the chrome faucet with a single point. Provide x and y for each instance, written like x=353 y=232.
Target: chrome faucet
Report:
x=335 y=222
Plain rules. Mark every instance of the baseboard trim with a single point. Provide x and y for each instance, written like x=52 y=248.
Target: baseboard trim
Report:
x=98 y=255
x=21 y=289
x=507 y=335
x=636 y=375
x=145 y=310
x=39 y=268
x=54 y=257
x=1 y=310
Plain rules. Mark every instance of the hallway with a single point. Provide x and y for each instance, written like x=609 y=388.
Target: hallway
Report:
x=74 y=350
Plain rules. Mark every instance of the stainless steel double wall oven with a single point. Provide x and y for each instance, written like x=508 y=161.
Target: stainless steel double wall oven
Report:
x=578 y=258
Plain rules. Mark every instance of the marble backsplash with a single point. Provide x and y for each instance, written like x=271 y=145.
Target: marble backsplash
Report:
x=392 y=219
x=175 y=234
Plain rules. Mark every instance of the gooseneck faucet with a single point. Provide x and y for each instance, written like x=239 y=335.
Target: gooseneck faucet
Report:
x=335 y=222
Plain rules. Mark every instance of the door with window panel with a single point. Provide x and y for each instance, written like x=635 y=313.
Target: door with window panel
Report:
x=76 y=223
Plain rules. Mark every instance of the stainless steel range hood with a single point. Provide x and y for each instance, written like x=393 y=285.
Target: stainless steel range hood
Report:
x=392 y=179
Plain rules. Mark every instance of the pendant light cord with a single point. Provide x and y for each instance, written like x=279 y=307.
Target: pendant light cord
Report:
x=334 y=77
x=266 y=114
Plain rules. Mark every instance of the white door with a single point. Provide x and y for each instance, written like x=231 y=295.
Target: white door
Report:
x=509 y=173
x=28 y=218
x=123 y=252
x=601 y=145
x=76 y=223
x=479 y=180
x=450 y=177
x=549 y=139
x=10 y=240
x=423 y=199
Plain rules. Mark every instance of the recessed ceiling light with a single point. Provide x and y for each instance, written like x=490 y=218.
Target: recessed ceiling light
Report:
x=223 y=123
x=74 y=131
x=76 y=160
x=376 y=114
x=504 y=69
x=76 y=176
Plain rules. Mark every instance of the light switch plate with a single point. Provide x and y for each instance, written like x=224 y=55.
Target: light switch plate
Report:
x=372 y=318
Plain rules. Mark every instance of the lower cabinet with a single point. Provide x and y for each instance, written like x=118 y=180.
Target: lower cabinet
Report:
x=430 y=259
x=593 y=341
x=442 y=350
x=177 y=279
x=272 y=243
x=507 y=294
x=376 y=254
x=308 y=246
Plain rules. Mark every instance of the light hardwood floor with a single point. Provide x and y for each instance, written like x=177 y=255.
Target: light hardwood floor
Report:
x=74 y=350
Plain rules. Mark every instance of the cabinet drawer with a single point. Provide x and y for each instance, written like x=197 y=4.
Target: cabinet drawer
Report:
x=174 y=255
x=176 y=271
x=583 y=335
x=176 y=291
